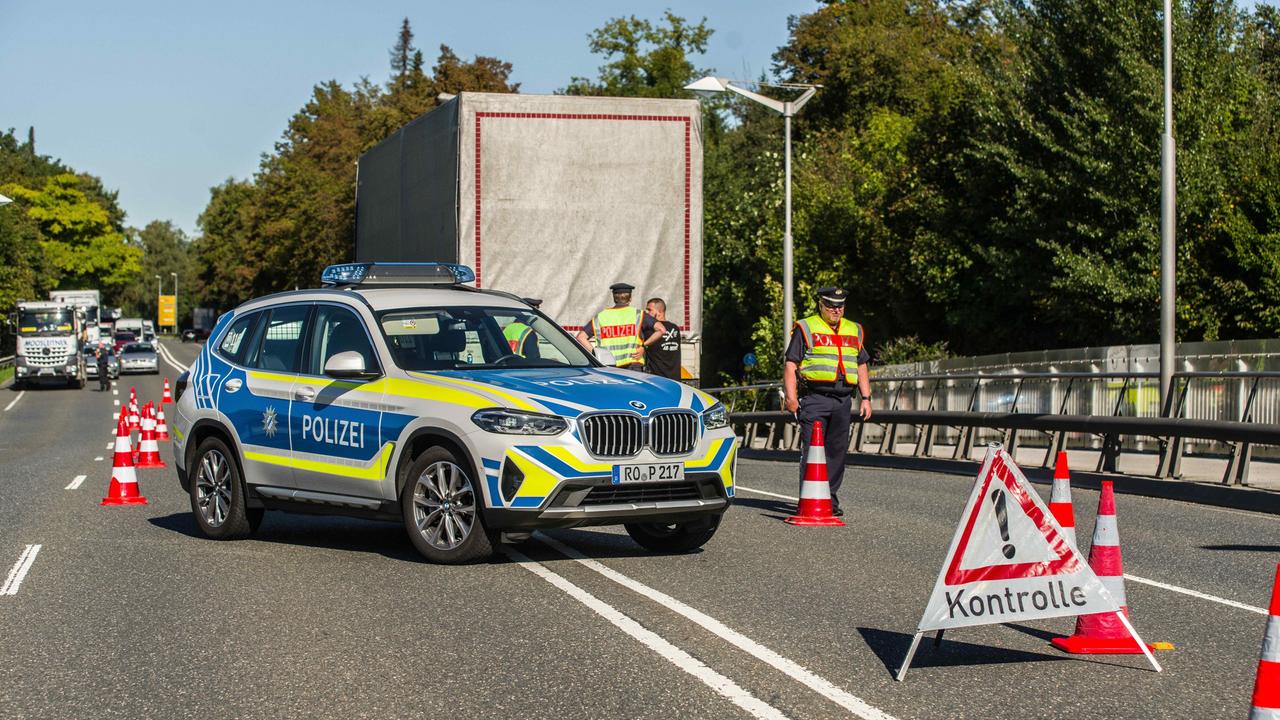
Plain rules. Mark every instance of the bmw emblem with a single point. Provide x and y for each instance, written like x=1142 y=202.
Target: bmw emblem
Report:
x=638 y=405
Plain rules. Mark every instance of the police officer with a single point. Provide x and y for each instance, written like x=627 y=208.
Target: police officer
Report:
x=826 y=360
x=103 y=358
x=617 y=329
x=521 y=338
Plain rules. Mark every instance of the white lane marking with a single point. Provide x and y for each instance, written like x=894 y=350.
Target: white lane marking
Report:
x=681 y=659
x=1135 y=578
x=76 y=483
x=115 y=416
x=99 y=459
x=110 y=445
x=1194 y=593
x=117 y=403
x=764 y=492
x=19 y=571
x=9 y=407
x=169 y=358
x=795 y=671
x=115 y=391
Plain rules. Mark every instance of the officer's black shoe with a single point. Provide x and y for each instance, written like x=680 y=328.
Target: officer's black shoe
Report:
x=837 y=511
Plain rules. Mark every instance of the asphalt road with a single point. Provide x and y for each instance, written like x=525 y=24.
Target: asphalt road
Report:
x=127 y=612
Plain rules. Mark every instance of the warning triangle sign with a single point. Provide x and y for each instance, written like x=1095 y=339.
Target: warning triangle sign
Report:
x=1009 y=559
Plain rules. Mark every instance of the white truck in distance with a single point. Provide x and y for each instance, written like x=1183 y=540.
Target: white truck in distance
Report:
x=89 y=303
x=50 y=336
x=547 y=196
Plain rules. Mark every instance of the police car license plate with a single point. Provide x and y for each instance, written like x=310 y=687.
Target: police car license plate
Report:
x=648 y=472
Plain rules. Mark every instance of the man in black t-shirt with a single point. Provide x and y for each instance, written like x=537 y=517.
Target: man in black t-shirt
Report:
x=661 y=340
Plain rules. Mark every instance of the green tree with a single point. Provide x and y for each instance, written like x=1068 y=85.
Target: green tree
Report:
x=644 y=59
x=82 y=242
x=165 y=250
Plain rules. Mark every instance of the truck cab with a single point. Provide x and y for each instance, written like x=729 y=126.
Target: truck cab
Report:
x=50 y=338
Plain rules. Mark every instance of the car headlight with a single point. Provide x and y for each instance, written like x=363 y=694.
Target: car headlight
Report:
x=716 y=417
x=514 y=422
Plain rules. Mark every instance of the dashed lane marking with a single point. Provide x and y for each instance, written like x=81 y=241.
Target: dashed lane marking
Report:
x=110 y=445
x=681 y=659
x=13 y=402
x=19 y=570
x=790 y=668
x=76 y=483
x=99 y=459
x=1135 y=578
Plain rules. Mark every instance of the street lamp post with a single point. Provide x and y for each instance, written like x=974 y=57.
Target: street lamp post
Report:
x=175 y=302
x=1168 y=220
x=159 y=289
x=707 y=87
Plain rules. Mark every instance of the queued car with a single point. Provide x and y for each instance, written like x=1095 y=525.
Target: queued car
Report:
x=188 y=335
x=120 y=339
x=139 y=357
x=91 y=363
x=392 y=393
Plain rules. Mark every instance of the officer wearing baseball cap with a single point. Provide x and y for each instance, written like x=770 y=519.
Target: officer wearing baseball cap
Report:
x=826 y=359
x=617 y=329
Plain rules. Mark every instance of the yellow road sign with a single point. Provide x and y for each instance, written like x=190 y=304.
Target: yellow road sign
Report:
x=168 y=311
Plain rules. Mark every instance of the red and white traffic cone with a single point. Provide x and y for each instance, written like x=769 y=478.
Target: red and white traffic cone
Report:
x=1266 y=688
x=148 y=450
x=162 y=428
x=124 y=480
x=1060 y=499
x=1104 y=633
x=134 y=419
x=167 y=397
x=815 y=493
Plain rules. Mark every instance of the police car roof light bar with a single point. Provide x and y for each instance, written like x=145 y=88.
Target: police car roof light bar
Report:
x=395 y=274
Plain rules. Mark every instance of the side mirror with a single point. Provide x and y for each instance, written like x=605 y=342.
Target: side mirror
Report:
x=349 y=364
x=605 y=357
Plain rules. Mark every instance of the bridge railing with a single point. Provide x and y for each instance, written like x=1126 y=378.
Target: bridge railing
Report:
x=1227 y=414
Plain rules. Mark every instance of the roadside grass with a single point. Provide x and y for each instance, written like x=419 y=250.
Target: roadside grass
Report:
x=6 y=373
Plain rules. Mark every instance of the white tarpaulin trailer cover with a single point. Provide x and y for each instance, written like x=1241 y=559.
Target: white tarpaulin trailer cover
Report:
x=546 y=196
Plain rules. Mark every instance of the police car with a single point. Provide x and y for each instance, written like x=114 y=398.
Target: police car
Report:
x=393 y=392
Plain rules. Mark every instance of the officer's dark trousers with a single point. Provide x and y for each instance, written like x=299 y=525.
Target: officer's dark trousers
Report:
x=834 y=414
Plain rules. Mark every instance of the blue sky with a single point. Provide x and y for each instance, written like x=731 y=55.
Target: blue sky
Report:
x=165 y=99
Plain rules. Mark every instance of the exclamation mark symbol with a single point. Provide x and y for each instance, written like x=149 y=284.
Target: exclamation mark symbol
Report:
x=1002 y=517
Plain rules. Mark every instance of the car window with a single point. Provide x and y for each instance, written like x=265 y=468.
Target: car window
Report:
x=337 y=329
x=281 y=346
x=477 y=338
x=234 y=342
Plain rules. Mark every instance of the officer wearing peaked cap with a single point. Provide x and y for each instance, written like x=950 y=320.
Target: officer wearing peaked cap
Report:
x=826 y=359
x=617 y=329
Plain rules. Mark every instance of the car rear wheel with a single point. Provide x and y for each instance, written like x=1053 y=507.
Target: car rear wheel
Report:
x=674 y=537
x=441 y=506
x=217 y=494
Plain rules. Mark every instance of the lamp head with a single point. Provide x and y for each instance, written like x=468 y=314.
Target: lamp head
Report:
x=707 y=87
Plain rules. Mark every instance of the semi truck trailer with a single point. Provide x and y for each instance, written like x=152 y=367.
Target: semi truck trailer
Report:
x=547 y=196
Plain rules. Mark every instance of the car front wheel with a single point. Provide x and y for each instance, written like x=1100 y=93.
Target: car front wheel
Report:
x=674 y=537
x=217 y=493
x=441 y=506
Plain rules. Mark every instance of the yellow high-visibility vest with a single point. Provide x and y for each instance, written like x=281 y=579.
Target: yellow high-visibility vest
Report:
x=618 y=331
x=516 y=333
x=829 y=352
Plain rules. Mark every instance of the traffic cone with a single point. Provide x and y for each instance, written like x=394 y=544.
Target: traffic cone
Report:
x=1060 y=499
x=815 y=494
x=1266 y=688
x=167 y=397
x=1103 y=633
x=162 y=429
x=124 y=480
x=134 y=419
x=148 y=450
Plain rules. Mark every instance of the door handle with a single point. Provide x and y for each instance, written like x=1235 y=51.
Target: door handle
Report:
x=305 y=394
x=233 y=385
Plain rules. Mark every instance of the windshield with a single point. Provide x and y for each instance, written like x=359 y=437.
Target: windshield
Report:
x=125 y=337
x=137 y=349
x=473 y=338
x=41 y=322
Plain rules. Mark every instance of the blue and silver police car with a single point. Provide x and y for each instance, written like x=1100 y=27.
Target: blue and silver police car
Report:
x=397 y=392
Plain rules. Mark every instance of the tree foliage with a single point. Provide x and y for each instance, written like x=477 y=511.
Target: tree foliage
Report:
x=644 y=59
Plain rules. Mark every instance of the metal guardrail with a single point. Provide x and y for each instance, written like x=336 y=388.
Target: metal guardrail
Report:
x=1045 y=404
